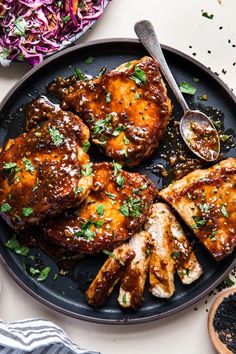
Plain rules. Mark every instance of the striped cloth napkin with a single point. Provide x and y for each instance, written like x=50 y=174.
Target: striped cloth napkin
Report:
x=36 y=336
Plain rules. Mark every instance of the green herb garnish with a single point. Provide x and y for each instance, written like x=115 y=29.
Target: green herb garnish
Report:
x=175 y=255
x=187 y=88
x=110 y=195
x=120 y=180
x=196 y=79
x=138 y=76
x=118 y=130
x=86 y=146
x=108 y=97
x=65 y=19
x=125 y=140
x=100 y=210
x=57 y=138
x=78 y=190
x=199 y=222
x=5 y=208
x=117 y=168
x=89 y=60
x=14 y=245
x=131 y=207
x=224 y=211
x=136 y=96
x=9 y=166
x=225 y=137
x=27 y=211
x=228 y=282
x=203 y=97
x=78 y=73
x=102 y=125
x=28 y=165
x=87 y=169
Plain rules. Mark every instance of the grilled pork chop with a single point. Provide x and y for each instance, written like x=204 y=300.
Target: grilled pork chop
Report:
x=115 y=209
x=109 y=275
x=43 y=172
x=206 y=200
x=127 y=109
x=133 y=281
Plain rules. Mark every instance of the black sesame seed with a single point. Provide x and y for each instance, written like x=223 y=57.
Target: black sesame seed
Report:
x=194 y=54
x=229 y=41
x=209 y=51
x=190 y=46
x=221 y=27
x=224 y=71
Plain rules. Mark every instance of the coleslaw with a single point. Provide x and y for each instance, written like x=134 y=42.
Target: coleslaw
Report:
x=31 y=29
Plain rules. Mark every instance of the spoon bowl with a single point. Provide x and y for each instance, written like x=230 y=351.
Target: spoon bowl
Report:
x=196 y=129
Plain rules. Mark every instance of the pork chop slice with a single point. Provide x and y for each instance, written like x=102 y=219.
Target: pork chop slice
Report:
x=115 y=209
x=206 y=201
x=126 y=109
x=43 y=172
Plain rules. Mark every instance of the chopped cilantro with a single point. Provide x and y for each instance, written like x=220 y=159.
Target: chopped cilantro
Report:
x=124 y=300
x=125 y=140
x=9 y=166
x=87 y=169
x=217 y=123
x=128 y=64
x=199 y=222
x=14 y=245
x=131 y=207
x=117 y=168
x=27 y=211
x=44 y=274
x=78 y=190
x=138 y=76
x=196 y=79
x=100 y=210
x=204 y=207
x=28 y=165
x=224 y=211
x=102 y=125
x=187 y=88
x=78 y=73
x=108 y=97
x=136 y=96
x=225 y=137
x=124 y=152
x=86 y=146
x=57 y=138
x=19 y=27
x=120 y=180
x=102 y=71
x=55 y=276
x=5 y=53
x=119 y=129
x=89 y=60
x=5 y=208
x=110 y=195
x=124 y=209
x=86 y=229
x=98 y=223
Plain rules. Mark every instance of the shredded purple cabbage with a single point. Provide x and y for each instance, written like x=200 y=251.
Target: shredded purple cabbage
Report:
x=31 y=29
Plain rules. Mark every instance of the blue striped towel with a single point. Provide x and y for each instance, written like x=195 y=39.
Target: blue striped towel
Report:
x=36 y=336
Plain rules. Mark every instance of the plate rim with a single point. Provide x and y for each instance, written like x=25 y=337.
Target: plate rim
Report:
x=126 y=319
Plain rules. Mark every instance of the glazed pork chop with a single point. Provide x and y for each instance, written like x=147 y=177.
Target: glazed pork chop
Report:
x=126 y=109
x=206 y=201
x=133 y=281
x=115 y=209
x=171 y=252
x=109 y=275
x=43 y=172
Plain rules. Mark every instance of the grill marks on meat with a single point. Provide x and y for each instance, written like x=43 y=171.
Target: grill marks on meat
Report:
x=206 y=201
x=115 y=209
x=40 y=171
x=109 y=275
x=127 y=109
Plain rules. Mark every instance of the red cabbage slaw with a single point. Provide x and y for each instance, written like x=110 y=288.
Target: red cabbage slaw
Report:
x=31 y=29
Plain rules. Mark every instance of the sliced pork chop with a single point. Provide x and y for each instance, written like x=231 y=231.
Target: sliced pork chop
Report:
x=133 y=281
x=162 y=264
x=186 y=263
x=127 y=109
x=206 y=200
x=115 y=209
x=109 y=275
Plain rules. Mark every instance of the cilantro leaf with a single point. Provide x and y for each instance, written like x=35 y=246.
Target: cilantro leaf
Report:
x=89 y=60
x=27 y=211
x=100 y=210
x=139 y=76
x=57 y=138
x=14 y=245
x=86 y=146
x=87 y=169
x=5 y=208
x=187 y=88
x=19 y=27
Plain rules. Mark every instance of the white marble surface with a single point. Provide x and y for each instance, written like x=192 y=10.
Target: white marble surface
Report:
x=179 y=24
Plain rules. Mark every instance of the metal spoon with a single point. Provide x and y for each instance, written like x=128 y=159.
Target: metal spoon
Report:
x=196 y=128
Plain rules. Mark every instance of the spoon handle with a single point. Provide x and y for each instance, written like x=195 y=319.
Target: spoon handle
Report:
x=146 y=34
